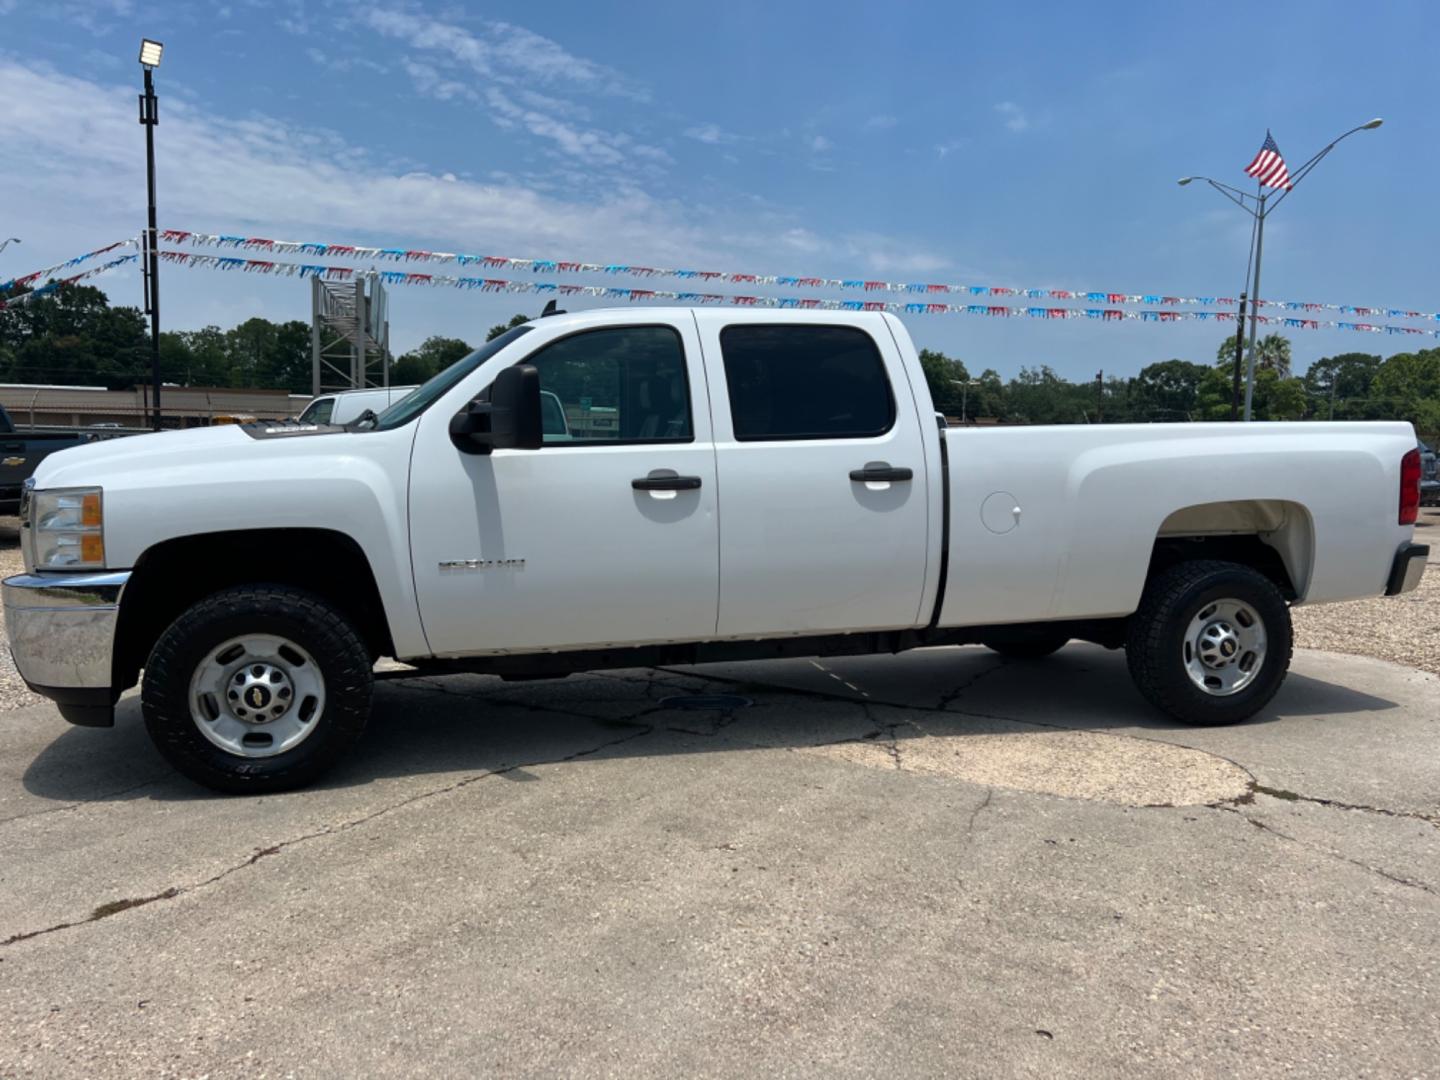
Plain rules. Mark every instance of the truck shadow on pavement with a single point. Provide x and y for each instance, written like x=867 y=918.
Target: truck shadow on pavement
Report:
x=465 y=724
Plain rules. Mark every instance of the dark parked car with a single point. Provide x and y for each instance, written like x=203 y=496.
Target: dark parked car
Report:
x=1429 y=477
x=19 y=454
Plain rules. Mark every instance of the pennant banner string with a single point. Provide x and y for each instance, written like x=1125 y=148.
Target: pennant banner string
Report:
x=30 y=279
x=51 y=286
x=614 y=292
x=552 y=266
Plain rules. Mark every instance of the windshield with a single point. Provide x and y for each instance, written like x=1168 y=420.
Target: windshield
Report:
x=412 y=405
x=318 y=412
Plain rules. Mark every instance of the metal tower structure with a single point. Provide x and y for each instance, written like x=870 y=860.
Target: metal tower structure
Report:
x=349 y=335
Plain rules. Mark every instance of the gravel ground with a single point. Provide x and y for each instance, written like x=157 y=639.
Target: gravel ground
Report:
x=1405 y=630
x=13 y=692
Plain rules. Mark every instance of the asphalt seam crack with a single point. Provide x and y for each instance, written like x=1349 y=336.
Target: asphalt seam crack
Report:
x=944 y=707
x=114 y=907
x=106 y=797
x=1333 y=804
x=1329 y=853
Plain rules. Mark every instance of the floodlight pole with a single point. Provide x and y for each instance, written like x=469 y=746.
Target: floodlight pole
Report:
x=149 y=117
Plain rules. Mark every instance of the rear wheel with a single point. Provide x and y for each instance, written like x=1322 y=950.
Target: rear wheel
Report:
x=257 y=689
x=1210 y=643
x=1030 y=649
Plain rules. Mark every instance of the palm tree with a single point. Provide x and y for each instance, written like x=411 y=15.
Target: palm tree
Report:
x=1272 y=353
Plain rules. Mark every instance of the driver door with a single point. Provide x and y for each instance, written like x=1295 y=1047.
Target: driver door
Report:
x=606 y=535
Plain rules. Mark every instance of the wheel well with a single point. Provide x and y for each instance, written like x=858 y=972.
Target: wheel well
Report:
x=1274 y=536
x=173 y=575
x=1248 y=550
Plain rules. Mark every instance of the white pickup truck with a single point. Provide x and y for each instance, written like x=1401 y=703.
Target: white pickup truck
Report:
x=728 y=485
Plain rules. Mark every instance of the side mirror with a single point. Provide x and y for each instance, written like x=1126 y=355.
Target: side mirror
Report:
x=509 y=420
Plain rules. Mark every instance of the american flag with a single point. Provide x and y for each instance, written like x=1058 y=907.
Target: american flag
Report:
x=1269 y=166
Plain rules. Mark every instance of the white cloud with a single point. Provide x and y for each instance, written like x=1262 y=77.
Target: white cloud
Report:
x=880 y=123
x=949 y=147
x=95 y=16
x=72 y=164
x=712 y=134
x=72 y=159
x=500 y=66
x=431 y=83
x=820 y=144
x=504 y=52
x=1013 y=116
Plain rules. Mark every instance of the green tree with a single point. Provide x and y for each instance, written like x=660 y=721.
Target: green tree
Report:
x=941 y=375
x=269 y=355
x=73 y=335
x=433 y=355
x=1339 y=387
x=1168 y=390
x=500 y=328
x=209 y=363
x=1408 y=384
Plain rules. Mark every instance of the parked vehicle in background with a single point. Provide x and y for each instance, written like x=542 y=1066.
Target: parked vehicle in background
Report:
x=1429 y=476
x=20 y=454
x=768 y=483
x=347 y=405
x=553 y=425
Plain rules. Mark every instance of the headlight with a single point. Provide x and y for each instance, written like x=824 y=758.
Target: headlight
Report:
x=68 y=529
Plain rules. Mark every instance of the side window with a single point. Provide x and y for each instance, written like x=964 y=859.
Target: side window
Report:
x=620 y=384
x=805 y=382
x=318 y=412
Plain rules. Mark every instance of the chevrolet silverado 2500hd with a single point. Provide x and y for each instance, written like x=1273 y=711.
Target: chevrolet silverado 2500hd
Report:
x=730 y=485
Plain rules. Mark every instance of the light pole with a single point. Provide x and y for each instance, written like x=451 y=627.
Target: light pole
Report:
x=6 y=243
x=1258 y=206
x=964 y=385
x=150 y=52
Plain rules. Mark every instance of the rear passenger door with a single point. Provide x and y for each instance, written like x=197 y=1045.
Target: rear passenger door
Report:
x=821 y=475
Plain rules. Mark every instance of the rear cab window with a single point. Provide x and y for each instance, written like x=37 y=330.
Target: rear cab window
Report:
x=805 y=382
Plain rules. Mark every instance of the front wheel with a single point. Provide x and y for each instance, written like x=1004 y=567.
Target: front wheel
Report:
x=257 y=689
x=1210 y=643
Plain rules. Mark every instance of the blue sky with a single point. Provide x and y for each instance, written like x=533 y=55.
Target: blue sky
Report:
x=1024 y=145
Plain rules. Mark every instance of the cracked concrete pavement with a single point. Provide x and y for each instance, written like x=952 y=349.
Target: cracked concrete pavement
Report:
x=932 y=863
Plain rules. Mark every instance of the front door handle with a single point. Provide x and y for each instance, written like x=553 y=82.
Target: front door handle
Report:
x=665 y=483
x=879 y=473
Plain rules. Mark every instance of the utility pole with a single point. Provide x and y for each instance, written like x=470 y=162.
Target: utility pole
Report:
x=1239 y=354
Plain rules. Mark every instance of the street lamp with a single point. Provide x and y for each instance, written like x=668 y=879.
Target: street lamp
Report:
x=6 y=243
x=964 y=385
x=1259 y=207
x=150 y=52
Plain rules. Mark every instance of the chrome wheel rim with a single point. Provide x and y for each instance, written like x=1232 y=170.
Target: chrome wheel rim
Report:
x=257 y=695
x=1224 y=647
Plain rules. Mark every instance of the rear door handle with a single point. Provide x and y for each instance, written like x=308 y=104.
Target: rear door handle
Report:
x=665 y=483
x=881 y=473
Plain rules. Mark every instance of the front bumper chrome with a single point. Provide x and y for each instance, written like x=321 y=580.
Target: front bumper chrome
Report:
x=62 y=636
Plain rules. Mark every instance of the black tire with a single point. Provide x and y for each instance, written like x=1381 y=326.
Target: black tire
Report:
x=1031 y=649
x=1155 y=647
x=301 y=617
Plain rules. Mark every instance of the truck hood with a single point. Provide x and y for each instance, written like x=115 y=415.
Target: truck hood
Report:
x=92 y=464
